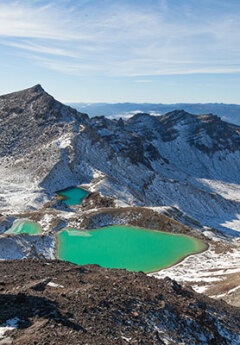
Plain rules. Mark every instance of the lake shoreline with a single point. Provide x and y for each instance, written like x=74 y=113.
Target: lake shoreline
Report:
x=203 y=246
x=68 y=197
x=21 y=223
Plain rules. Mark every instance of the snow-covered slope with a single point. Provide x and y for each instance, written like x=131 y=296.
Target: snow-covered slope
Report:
x=36 y=135
x=181 y=165
x=180 y=160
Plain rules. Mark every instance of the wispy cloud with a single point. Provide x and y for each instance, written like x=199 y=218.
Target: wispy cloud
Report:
x=43 y=49
x=125 y=38
x=29 y=19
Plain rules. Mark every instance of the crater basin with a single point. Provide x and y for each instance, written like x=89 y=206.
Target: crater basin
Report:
x=73 y=196
x=24 y=227
x=134 y=249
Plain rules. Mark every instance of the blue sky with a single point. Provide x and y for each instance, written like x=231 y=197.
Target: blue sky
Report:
x=162 y=51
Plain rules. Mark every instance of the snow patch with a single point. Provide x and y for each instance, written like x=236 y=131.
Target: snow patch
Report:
x=9 y=325
x=51 y=284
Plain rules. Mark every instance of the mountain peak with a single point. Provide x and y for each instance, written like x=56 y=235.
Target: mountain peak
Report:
x=33 y=90
x=36 y=88
x=178 y=113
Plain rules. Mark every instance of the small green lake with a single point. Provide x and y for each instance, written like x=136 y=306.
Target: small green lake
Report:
x=24 y=227
x=73 y=196
x=134 y=249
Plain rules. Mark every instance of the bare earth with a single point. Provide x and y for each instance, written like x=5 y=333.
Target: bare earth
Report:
x=60 y=303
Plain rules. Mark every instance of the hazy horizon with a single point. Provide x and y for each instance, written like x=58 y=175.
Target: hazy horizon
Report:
x=157 y=103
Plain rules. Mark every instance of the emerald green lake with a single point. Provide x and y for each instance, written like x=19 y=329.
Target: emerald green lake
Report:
x=134 y=249
x=73 y=196
x=24 y=227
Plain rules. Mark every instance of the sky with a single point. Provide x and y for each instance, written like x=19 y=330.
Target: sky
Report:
x=158 y=51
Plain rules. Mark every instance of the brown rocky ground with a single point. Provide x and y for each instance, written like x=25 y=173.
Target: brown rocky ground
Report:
x=92 y=305
x=137 y=216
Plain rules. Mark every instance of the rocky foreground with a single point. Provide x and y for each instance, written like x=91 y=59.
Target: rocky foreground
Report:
x=53 y=302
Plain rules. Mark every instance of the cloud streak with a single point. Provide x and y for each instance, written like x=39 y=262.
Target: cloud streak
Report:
x=124 y=38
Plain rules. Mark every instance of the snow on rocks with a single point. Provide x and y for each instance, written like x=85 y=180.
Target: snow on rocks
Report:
x=55 y=285
x=9 y=325
x=206 y=271
x=24 y=245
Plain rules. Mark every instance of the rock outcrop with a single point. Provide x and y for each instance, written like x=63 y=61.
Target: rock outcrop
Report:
x=60 y=303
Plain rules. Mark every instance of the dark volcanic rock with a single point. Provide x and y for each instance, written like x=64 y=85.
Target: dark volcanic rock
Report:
x=93 y=305
x=31 y=117
x=199 y=128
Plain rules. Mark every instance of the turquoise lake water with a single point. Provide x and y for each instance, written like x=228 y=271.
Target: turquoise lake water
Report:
x=73 y=196
x=134 y=249
x=25 y=227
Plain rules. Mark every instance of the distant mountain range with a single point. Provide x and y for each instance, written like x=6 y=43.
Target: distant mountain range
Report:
x=228 y=112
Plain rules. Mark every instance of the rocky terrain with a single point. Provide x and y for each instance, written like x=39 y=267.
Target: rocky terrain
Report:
x=177 y=160
x=60 y=303
x=178 y=173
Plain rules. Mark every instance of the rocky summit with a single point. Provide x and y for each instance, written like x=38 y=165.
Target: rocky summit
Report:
x=61 y=303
